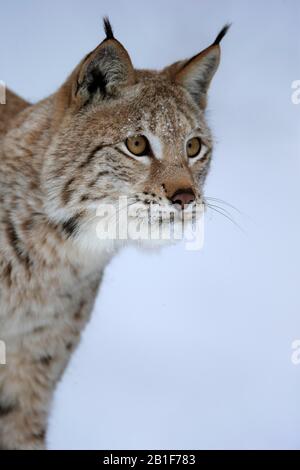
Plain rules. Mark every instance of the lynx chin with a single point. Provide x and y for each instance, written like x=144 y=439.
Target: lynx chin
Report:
x=110 y=131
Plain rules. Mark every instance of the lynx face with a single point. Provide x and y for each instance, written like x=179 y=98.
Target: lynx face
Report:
x=120 y=132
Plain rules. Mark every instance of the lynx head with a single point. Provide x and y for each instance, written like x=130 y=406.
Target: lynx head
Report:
x=122 y=132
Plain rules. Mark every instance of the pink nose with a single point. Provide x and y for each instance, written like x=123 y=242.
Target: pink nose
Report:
x=183 y=197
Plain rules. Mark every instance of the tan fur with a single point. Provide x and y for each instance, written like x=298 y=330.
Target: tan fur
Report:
x=58 y=159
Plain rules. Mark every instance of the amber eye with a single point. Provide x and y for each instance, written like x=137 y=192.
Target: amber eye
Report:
x=138 y=145
x=193 y=147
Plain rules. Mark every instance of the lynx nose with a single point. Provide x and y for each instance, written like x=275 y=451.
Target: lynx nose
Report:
x=183 y=197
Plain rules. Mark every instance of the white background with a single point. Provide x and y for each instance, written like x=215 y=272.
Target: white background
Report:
x=189 y=349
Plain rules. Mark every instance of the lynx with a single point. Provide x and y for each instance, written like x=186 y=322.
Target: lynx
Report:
x=109 y=131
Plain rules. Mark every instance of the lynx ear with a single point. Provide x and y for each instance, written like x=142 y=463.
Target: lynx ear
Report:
x=104 y=71
x=196 y=74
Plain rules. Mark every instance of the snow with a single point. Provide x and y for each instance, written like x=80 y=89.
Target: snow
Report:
x=189 y=350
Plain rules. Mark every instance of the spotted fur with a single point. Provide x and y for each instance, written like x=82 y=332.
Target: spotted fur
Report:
x=58 y=159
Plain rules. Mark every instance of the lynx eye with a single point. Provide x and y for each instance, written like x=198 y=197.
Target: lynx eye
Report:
x=193 y=147
x=138 y=145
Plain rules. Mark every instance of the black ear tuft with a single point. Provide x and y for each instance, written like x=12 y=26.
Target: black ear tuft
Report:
x=108 y=28
x=221 y=34
x=104 y=72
